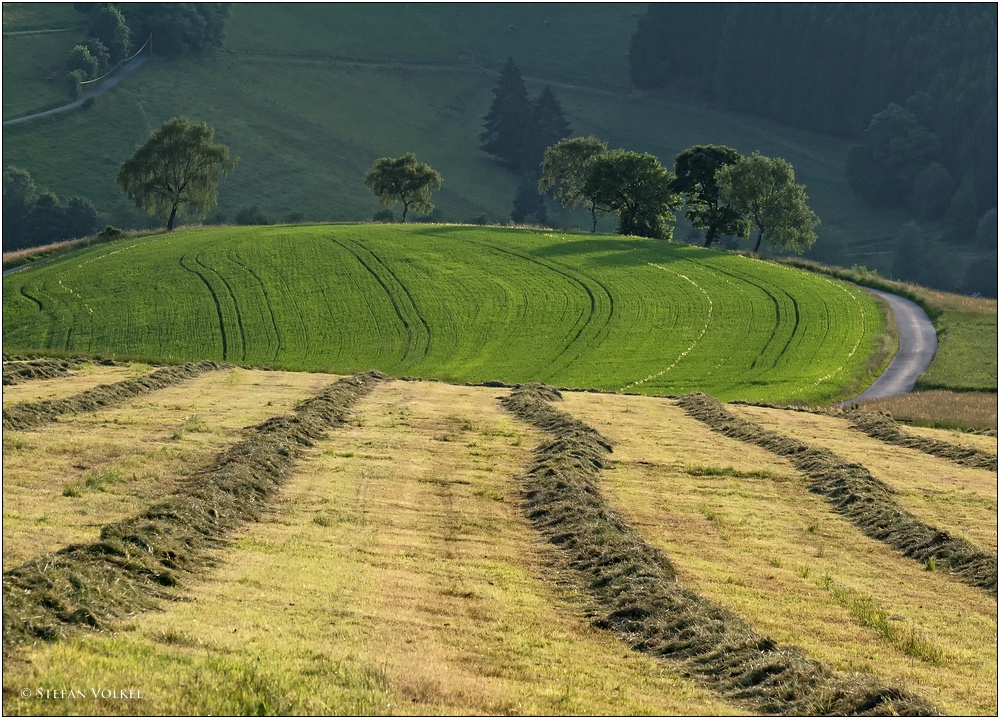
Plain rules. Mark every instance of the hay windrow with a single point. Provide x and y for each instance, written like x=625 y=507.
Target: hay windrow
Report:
x=636 y=594
x=885 y=429
x=139 y=560
x=857 y=495
x=28 y=415
x=17 y=371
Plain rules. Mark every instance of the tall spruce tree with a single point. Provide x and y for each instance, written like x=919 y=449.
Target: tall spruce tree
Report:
x=509 y=119
x=548 y=126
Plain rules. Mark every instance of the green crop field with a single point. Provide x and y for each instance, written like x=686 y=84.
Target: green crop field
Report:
x=458 y=304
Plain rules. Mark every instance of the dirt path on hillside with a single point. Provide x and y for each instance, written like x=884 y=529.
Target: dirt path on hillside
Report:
x=126 y=70
x=917 y=345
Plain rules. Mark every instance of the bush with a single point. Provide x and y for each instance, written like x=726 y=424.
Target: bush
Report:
x=383 y=216
x=250 y=215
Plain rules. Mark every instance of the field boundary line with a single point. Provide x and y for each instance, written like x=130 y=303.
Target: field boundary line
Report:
x=857 y=495
x=885 y=429
x=635 y=592
x=29 y=415
x=137 y=561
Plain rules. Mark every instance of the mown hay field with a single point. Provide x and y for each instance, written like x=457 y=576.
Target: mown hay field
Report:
x=397 y=571
x=458 y=304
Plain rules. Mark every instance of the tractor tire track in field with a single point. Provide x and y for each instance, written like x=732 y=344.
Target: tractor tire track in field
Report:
x=777 y=315
x=24 y=293
x=232 y=296
x=410 y=339
x=857 y=495
x=635 y=592
x=885 y=429
x=235 y=257
x=218 y=307
x=685 y=353
x=28 y=415
x=409 y=296
x=137 y=561
x=600 y=333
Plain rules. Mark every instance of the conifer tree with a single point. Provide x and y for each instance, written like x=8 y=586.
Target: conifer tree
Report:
x=508 y=120
x=548 y=126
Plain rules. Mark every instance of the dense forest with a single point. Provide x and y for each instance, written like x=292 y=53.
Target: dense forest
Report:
x=913 y=84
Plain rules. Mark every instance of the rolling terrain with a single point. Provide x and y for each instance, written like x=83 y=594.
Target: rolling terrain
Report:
x=307 y=107
x=459 y=304
x=402 y=566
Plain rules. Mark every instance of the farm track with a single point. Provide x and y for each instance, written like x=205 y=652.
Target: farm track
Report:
x=636 y=591
x=858 y=495
x=28 y=415
x=885 y=429
x=138 y=561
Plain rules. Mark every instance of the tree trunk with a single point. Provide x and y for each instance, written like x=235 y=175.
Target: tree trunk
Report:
x=709 y=238
x=406 y=206
x=760 y=236
x=173 y=216
x=593 y=216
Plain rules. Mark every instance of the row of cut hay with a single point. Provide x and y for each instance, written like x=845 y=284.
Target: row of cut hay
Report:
x=27 y=415
x=636 y=594
x=856 y=494
x=137 y=561
x=885 y=429
x=18 y=371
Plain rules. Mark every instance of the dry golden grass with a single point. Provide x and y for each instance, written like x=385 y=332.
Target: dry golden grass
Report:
x=959 y=499
x=64 y=481
x=82 y=378
x=743 y=530
x=983 y=443
x=939 y=408
x=397 y=576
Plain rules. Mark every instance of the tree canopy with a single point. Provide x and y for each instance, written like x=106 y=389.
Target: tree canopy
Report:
x=179 y=167
x=637 y=188
x=403 y=179
x=564 y=171
x=696 y=168
x=764 y=190
x=33 y=216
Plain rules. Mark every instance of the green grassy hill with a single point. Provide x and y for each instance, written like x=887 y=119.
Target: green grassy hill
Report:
x=457 y=304
x=309 y=95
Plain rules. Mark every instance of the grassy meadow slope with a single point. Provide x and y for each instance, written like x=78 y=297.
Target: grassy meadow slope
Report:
x=458 y=304
x=309 y=95
x=397 y=573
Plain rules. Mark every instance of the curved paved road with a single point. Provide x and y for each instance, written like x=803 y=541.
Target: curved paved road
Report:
x=917 y=345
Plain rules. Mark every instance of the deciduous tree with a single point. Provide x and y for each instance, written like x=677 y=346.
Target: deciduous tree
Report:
x=178 y=167
x=108 y=25
x=696 y=168
x=637 y=188
x=564 y=171
x=763 y=189
x=404 y=180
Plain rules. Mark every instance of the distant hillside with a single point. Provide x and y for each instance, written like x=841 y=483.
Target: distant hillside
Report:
x=458 y=304
x=308 y=106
